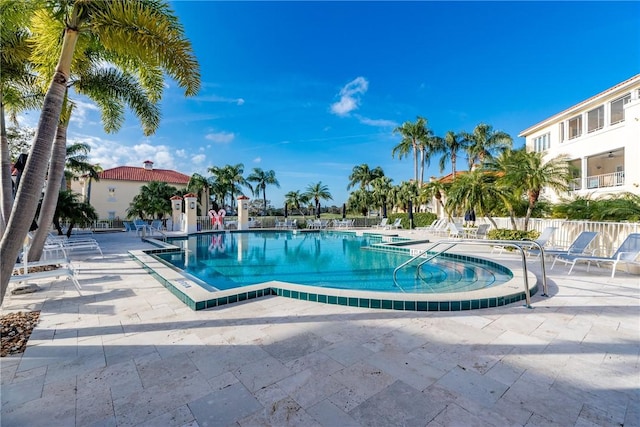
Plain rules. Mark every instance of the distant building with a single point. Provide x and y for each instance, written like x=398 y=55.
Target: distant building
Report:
x=601 y=136
x=113 y=193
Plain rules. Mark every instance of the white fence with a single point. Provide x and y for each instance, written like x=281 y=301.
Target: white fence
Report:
x=611 y=234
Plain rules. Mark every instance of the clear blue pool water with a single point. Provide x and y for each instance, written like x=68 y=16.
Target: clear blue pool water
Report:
x=328 y=259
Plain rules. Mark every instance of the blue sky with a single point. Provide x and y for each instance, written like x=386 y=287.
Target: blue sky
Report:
x=311 y=89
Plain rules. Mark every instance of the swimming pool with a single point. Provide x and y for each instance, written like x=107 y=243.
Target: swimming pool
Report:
x=336 y=260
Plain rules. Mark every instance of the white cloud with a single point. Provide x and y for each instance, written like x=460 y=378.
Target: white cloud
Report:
x=349 y=96
x=81 y=112
x=181 y=153
x=198 y=159
x=377 y=122
x=110 y=153
x=257 y=160
x=216 y=98
x=220 y=137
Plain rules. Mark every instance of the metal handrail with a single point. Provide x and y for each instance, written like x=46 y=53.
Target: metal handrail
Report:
x=518 y=244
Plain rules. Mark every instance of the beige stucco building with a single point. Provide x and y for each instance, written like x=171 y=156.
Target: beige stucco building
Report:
x=601 y=137
x=112 y=194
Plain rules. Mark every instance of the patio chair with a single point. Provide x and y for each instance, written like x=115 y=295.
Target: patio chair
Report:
x=382 y=224
x=545 y=236
x=578 y=246
x=456 y=230
x=396 y=224
x=66 y=269
x=626 y=254
x=480 y=232
x=156 y=225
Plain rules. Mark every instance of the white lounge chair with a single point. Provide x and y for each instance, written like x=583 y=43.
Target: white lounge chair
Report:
x=396 y=224
x=24 y=275
x=456 y=229
x=578 y=246
x=479 y=232
x=382 y=224
x=626 y=254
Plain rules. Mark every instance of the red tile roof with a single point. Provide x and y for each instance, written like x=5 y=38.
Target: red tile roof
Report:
x=131 y=173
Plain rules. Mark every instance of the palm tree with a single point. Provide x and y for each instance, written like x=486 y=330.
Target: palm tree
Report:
x=229 y=177
x=364 y=175
x=485 y=143
x=434 y=189
x=77 y=164
x=134 y=33
x=452 y=144
x=413 y=134
x=200 y=185
x=474 y=190
x=407 y=192
x=431 y=145
x=110 y=89
x=70 y=208
x=360 y=200
x=18 y=90
x=317 y=192
x=262 y=179
x=153 y=201
x=382 y=193
x=295 y=199
x=530 y=173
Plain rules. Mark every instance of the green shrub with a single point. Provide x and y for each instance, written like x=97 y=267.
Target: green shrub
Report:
x=506 y=234
x=420 y=219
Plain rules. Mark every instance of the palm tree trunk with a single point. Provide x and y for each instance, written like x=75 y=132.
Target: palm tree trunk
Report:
x=28 y=194
x=6 y=194
x=50 y=199
x=415 y=163
x=422 y=162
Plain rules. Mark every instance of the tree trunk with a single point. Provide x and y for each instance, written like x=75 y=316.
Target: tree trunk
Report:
x=50 y=200
x=6 y=194
x=30 y=188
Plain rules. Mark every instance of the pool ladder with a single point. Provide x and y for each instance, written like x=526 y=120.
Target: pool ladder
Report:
x=517 y=244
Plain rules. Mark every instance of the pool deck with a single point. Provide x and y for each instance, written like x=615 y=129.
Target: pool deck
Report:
x=129 y=353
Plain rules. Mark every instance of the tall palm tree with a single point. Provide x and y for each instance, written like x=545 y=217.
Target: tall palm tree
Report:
x=360 y=200
x=484 y=143
x=430 y=146
x=18 y=90
x=452 y=144
x=364 y=175
x=77 y=164
x=262 y=179
x=413 y=134
x=317 y=192
x=133 y=33
x=407 y=192
x=111 y=89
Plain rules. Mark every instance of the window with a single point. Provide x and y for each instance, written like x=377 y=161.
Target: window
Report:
x=595 y=119
x=575 y=127
x=111 y=215
x=561 y=131
x=617 y=108
x=112 y=194
x=542 y=143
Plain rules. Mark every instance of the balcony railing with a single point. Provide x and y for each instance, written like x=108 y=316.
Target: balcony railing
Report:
x=605 y=180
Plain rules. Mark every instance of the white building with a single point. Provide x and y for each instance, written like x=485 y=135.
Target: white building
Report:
x=601 y=137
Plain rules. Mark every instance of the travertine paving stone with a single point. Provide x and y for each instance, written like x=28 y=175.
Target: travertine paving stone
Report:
x=128 y=353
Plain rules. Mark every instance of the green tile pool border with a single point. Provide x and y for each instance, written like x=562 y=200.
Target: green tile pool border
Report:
x=407 y=304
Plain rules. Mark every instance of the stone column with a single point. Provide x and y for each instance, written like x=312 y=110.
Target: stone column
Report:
x=176 y=213
x=191 y=213
x=243 y=213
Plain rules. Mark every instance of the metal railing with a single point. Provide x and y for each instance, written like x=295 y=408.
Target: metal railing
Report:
x=517 y=244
